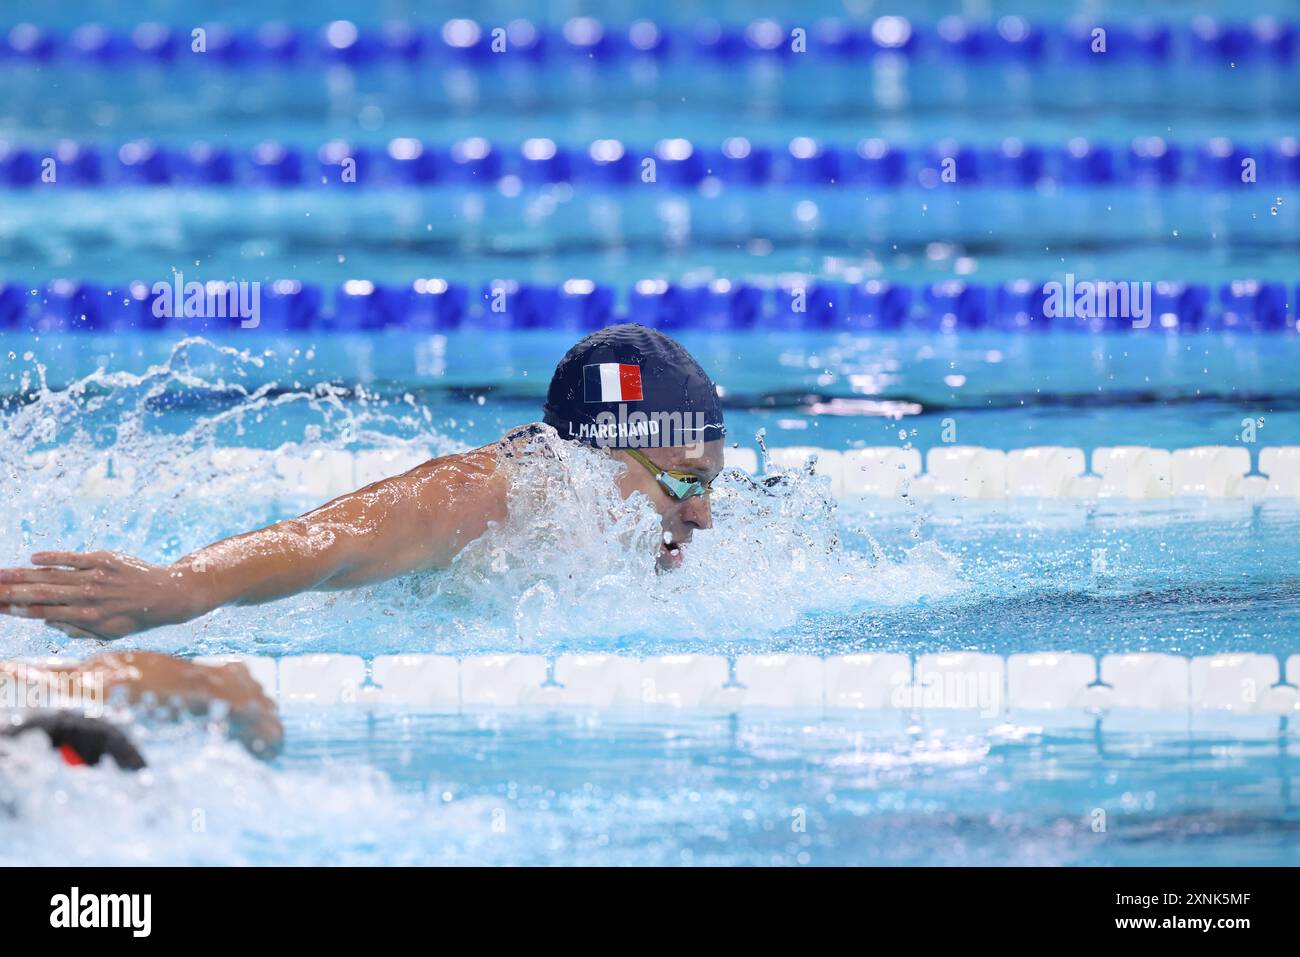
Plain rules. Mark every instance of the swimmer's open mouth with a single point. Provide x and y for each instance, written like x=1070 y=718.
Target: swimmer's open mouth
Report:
x=670 y=555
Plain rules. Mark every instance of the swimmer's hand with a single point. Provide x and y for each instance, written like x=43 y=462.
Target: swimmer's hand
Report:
x=100 y=595
x=170 y=683
x=192 y=687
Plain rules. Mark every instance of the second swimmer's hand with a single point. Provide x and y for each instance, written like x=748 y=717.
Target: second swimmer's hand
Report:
x=100 y=595
x=195 y=688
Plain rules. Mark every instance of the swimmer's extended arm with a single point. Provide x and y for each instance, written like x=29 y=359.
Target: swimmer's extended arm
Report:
x=171 y=682
x=417 y=520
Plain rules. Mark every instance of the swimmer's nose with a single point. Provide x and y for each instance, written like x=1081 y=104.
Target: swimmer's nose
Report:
x=697 y=512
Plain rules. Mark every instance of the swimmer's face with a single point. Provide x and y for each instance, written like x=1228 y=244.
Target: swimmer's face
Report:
x=679 y=518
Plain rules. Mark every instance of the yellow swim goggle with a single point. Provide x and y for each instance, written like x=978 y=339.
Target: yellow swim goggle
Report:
x=680 y=485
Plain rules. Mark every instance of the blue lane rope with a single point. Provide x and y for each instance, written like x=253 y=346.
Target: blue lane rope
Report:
x=1202 y=40
x=432 y=304
x=404 y=162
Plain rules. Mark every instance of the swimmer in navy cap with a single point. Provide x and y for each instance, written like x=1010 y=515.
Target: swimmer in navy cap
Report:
x=627 y=390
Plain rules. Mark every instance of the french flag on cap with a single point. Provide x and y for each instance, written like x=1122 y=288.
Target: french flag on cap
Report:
x=611 y=382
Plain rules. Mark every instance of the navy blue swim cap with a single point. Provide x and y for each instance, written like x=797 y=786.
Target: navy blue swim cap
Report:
x=629 y=386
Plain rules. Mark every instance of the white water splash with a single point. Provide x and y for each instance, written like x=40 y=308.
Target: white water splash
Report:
x=575 y=561
x=204 y=800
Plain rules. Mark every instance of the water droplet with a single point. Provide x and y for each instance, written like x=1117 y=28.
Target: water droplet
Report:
x=1273 y=210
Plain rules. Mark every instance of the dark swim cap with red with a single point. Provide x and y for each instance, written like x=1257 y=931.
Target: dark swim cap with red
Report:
x=629 y=386
x=81 y=740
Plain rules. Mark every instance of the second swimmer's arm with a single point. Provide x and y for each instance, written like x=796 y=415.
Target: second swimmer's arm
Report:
x=169 y=682
x=420 y=519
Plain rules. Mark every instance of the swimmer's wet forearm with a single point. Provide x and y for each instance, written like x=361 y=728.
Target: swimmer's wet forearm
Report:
x=407 y=523
x=256 y=567
x=410 y=522
x=339 y=546
x=106 y=595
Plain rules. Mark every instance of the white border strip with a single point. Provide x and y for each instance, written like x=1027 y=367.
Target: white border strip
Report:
x=954 y=471
x=988 y=685
x=1048 y=471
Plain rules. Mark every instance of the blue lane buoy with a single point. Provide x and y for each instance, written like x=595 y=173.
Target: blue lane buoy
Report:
x=874 y=163
x=541 y=162
x=806 y=306
x=95 y=43
x=1179 y=306
x=273 y=164
x=204 y=164
x=1083 y=163
x=1252 y=305
x=464 y=41
x=362 y=306
x=154 y=41
x=669 y=306
x=69 y=304
x=128 y=308
x=809 y=162
x=142 y=163
x=1019 y=306
x=18 y=167
x=740 y=162
x=339 y=162
x=1015 y=163
x=679 y=163
x=605 y=162
x=1282 y=161
x=290 y=305
x=1221 y=162
x=874 y=305
x=951 y=304
x=13 y=305
x=727 y=306
x=1153 y=162
x=27 y=41
x=506 y=304
x=277 y=43
x=582 y=305
x=435 y=305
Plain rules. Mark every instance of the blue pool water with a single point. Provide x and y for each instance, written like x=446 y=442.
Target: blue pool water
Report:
x=509 y=790
x=809 y=574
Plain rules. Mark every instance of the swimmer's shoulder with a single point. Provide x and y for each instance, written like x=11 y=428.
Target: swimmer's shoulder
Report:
x=530 y=439
x=475 y=465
